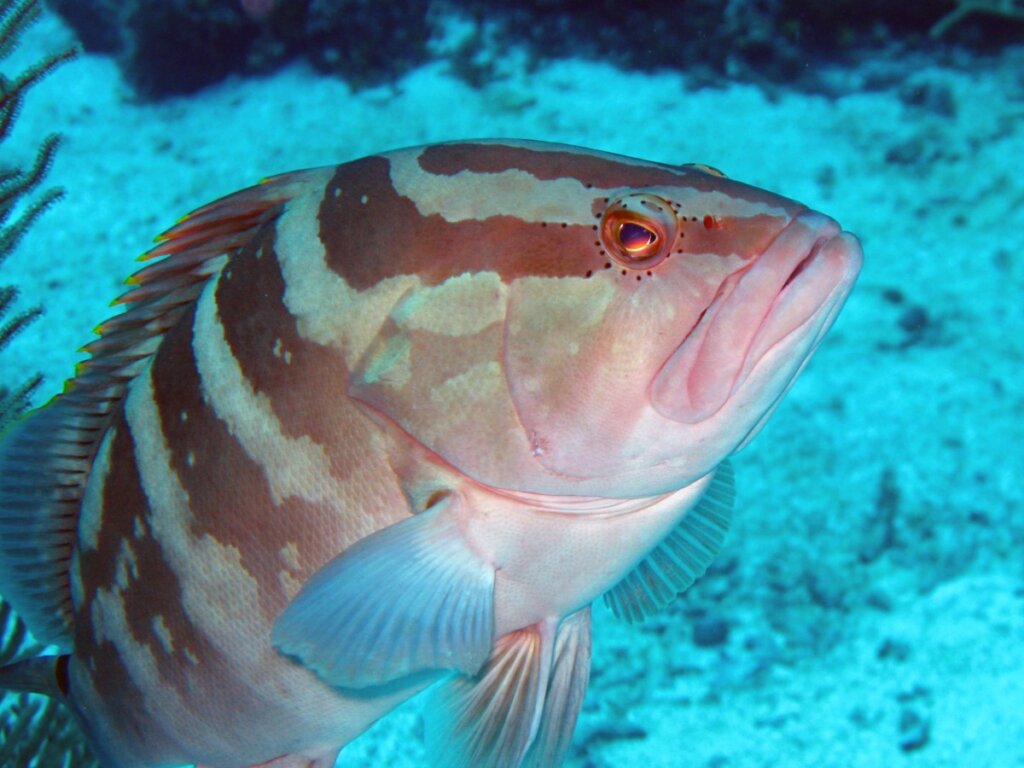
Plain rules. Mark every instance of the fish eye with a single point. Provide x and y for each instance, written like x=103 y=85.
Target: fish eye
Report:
x=638 y=230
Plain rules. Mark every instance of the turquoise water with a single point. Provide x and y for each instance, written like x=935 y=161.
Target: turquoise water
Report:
x=868 y=606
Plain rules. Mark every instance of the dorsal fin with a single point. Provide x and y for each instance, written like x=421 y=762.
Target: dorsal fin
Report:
x=45 y=457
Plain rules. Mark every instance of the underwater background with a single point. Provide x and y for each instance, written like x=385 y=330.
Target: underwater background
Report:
x=868 y=606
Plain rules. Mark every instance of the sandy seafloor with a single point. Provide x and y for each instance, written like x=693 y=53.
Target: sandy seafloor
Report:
x=873 y=579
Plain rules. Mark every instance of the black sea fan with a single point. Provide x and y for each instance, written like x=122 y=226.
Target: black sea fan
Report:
x=18 y=209
x=34 y=731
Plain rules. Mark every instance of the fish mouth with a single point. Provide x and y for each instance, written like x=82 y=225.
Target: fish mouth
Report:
x=765 y=321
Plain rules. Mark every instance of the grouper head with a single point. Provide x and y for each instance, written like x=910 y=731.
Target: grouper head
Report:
x=584 y=323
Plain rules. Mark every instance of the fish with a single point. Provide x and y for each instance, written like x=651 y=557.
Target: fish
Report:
x=393 y=425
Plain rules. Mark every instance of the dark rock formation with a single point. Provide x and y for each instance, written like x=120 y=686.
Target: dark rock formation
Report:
x=178 y=46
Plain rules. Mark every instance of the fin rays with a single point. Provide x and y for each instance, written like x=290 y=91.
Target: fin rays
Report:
x=681 y=558
x=520 y=710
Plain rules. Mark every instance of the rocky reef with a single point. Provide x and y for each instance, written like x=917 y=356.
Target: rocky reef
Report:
x=178 y=46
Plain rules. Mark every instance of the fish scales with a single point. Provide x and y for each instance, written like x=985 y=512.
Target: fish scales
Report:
x=396 y=423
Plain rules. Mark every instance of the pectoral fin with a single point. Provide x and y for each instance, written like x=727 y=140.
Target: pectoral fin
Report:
x=409 y=598
x=520 y=710
x=683 y=556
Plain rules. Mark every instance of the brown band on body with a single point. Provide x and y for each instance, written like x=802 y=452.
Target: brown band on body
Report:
x=153 y=589
x=229 y=496
x=304 y=380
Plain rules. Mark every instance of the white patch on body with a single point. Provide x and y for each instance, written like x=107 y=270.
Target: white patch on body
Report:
x=126 y=567
x=163 y=633
x=469 y=196
x=90 y=518
x=291 y=557
x=460 y=306
x=289 y=553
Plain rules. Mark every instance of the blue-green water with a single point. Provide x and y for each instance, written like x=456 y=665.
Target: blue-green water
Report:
x=868 y=606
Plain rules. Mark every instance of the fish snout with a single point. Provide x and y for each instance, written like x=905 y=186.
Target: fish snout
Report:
x=766 y=321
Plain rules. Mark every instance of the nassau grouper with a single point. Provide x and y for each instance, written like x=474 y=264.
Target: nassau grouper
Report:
x=397 y=423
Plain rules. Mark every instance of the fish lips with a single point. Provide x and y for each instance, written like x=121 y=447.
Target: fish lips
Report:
x=763 y=325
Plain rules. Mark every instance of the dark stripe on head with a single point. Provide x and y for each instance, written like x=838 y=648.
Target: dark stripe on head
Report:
x=370 y=232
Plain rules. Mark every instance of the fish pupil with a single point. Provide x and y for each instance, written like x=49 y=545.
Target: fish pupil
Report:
x=636 y=237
